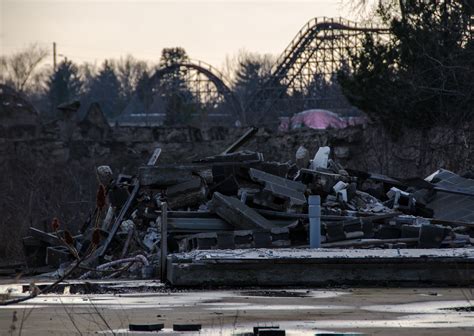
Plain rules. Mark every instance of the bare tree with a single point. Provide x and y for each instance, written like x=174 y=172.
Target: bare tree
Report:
x=87 y=72
x=17 y=69
x=235 y=64
x=365 y=9
x=129 y=71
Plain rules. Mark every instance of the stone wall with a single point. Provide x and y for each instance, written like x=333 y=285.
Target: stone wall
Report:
x=416 y=153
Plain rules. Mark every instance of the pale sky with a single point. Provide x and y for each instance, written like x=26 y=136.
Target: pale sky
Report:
x=87 y=30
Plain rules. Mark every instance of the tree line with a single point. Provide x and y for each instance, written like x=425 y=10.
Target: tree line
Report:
x=113 y=83
x=420 y=76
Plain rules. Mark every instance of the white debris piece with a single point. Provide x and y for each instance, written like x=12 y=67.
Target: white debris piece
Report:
x=321 y=158
x=340 y=188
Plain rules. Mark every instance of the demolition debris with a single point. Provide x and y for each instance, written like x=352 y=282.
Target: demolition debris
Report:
x=238 y=201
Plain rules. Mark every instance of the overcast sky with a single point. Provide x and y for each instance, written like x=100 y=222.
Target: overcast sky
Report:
x=87 y=30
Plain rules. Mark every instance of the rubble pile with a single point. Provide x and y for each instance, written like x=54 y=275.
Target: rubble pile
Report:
x=238 y=200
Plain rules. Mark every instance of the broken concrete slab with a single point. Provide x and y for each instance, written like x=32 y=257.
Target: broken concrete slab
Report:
x=447 y=205
x=321 y=267
x=266 y=178
x=278 y=193
x=238 y=214
x=166 y=175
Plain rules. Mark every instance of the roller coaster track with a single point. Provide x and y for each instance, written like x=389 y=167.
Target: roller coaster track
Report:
x=221 y=84
x=320 y=48
x=209 y=87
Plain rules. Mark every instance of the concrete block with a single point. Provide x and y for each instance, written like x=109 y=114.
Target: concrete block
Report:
x=280 y=234
x=410 y=231
x=431 y=236
x=225 y=240
x=389 y=232
x=335 y=231
x=243 y=239
x=368 y=229
x=262 y=239
x=206 y=241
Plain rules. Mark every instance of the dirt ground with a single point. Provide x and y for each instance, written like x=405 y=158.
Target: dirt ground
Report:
x=309 y=311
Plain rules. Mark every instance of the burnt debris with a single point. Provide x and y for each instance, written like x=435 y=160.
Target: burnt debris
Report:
x=238 y=200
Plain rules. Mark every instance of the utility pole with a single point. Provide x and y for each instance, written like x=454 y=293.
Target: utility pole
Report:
x=54 y=56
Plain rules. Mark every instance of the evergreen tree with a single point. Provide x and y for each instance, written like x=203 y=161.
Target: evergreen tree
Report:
x=423 y=75
x=252 y=71
x=105 y=90
x=64 y=85
x=144 y=90
x=177 y=96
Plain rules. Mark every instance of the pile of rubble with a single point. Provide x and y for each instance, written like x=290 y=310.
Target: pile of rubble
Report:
x=238 y=200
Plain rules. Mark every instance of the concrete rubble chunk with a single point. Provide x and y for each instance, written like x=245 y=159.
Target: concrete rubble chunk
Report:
x=238 y=214
x=335 y=232
x=302 y=157
x=105 y=174
x=279 y=193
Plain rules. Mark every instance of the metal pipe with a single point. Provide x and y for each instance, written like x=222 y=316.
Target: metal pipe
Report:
x=164 y=239
x=314 y=214
x=138 y=258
